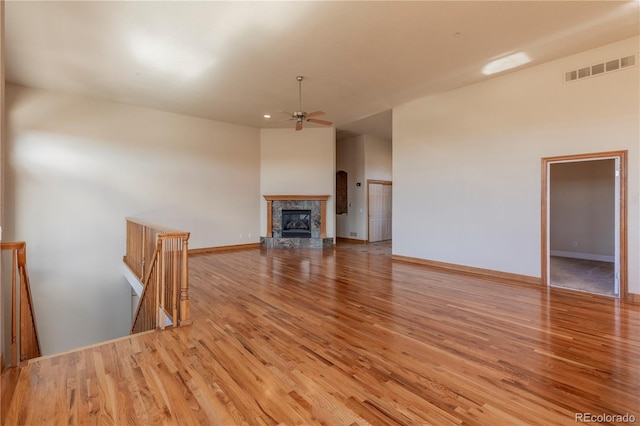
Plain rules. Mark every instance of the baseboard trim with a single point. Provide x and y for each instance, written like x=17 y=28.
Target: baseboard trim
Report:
x=206 y=250
x=583 y=256
x=487 y=274
x=134 y=282
x=350 y=240
x=632 y=298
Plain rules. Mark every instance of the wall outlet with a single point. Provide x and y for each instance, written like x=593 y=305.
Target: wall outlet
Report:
x=353 y=234
x=574 y=244
x=249 y=236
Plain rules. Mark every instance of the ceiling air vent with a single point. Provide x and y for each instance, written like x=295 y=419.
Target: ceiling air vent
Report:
x=601 y=68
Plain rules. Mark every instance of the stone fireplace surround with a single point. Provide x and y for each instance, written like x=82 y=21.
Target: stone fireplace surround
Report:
x=317 y=204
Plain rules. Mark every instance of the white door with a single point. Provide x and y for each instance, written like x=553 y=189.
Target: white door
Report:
x=379 y=211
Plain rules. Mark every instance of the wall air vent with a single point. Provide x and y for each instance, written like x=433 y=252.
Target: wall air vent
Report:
x=601 y=68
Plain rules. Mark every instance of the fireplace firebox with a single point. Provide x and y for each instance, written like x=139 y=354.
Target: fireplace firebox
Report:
x=296 y=223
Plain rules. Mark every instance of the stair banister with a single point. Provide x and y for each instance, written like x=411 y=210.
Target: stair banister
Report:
x=24 y=338
x=158 y=257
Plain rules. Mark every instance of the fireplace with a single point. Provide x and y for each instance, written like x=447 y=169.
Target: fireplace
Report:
x=296 y=223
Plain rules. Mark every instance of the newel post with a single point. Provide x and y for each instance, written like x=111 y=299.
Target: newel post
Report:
x=184 y=286
x=14 y=332
x=160 y=283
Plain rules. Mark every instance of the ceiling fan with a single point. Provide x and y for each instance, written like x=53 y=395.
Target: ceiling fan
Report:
x=300 y=116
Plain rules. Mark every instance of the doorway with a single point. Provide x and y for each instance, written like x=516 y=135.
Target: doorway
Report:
x=584 y=223
x=379 y=208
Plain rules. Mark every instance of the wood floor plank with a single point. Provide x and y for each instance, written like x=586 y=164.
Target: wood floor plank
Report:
x=347 y=337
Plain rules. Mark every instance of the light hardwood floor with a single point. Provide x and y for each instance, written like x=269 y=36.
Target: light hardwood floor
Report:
x=347 y=336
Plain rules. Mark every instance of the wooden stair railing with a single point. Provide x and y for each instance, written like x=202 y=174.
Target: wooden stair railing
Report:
x=24 y=339
x=158 y=257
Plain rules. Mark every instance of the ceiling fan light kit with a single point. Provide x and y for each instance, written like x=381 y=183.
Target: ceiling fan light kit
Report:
x=301 y=116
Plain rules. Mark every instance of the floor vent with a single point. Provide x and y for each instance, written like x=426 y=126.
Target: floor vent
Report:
x=601 y=68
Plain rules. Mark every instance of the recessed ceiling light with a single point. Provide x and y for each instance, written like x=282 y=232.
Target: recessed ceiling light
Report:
x=506 y=63
x=267 y=116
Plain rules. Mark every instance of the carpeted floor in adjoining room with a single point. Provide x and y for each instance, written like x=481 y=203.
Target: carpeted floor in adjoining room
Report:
x=584 y=275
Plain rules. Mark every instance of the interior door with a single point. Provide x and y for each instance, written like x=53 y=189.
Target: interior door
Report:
x=380 y=197
x=564 y=224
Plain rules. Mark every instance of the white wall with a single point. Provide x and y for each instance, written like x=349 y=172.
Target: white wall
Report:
x=77 y=167
x=466 y=163
x=298 y=163
x=3 y=263
x=350 y=158
x=378 y=156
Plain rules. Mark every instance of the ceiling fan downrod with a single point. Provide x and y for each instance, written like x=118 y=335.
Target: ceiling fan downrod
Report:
x=299 y=78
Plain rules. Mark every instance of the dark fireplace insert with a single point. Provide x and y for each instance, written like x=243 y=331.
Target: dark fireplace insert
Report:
x=296 y=223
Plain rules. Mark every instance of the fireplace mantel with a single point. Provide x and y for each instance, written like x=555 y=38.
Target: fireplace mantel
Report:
x=296 y=197
x=278 y=201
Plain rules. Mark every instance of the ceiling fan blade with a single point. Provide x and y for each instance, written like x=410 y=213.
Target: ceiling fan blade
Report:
x=315 y=114
x=299 y=125
x=323 y=122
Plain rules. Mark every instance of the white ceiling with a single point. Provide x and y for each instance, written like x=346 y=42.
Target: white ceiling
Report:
x=235 y=61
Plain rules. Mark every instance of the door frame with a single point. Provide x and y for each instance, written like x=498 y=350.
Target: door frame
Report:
x=621 y=156
x=369 y=182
